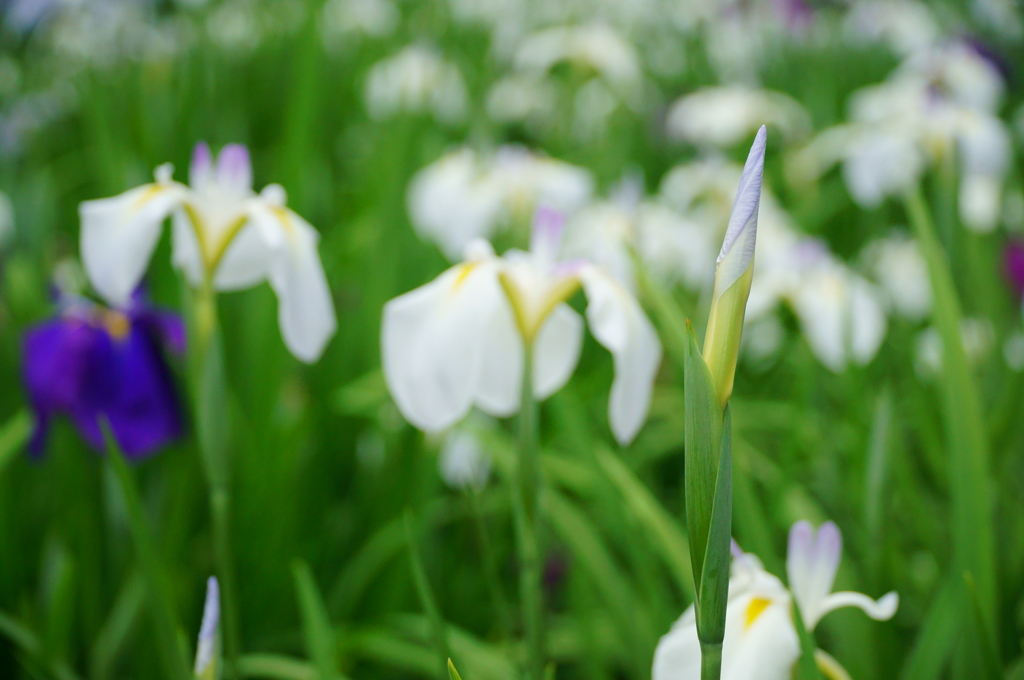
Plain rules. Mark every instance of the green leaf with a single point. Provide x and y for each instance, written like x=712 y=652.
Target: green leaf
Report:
x=425 y=593
x=316 y=627
x=807 y=665
x=662 y=530
x=275 y=666
x=714 y=581
x=970 y=485
x=163 y=614
x=703 y=440
x=979 y=635
x=13 y=436
x=118 y=626
x=937 y=637
x=452 y=673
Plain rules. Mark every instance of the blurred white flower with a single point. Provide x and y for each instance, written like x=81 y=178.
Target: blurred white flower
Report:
x=459 y=341
x=976 y=334
x=224 y=235
x=522 y=98
x=1013 y=351
x=906 y=26
x=897 y=263
x=465 y=195
x=841 y=314
x=726 y=115
x=593 y=106
x=342 y=21
x=1001 y=16
x=463 y=462
x=417 y=80
x=761 y=641
x=940 y=102
x=597 y=47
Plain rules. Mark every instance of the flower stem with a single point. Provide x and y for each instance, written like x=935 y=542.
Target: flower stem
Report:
x=211 y=422
x=525 y=506
x=710 y=661
x=490 y=564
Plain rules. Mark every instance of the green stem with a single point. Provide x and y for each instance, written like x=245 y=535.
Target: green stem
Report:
x=211 y=421
x=490 y=564
x=525 y=506
x=973 y=544
x=710 y=661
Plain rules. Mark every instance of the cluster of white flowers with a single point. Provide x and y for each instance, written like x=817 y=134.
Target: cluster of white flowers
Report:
x=417 y=80
x=466 y=195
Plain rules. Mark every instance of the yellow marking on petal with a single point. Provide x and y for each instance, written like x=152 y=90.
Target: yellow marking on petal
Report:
x=529 y=319
x=465 y=270
x=282 y=214
x=116 y=324
x=149 y=194
x=754 y=610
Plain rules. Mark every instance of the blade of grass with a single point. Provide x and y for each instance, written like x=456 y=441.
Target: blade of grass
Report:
x=118 y=626
x=163 y=614
x=662 y=529
x=937 y=637
x=973 y=541
x=13 y=436
x=316 y=627
x=276 y=667
x=426 y=595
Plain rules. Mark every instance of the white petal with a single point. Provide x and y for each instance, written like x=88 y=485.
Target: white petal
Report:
x=185 y=252
x=677 y=656
x=867 y=320
x=556 y=351
x=619 y=324
x=432 y=344
x=246 y=261
x=882 y=609
x=811 y=565
x=980 y=201
x=767 y=649
x=119 y=235
x=499 y=390
x=305 y=309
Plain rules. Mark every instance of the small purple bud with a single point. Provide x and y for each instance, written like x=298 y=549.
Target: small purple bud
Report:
x=1013 y=263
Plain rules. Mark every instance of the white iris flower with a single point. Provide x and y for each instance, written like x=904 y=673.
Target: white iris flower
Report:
x=459 y=341
x=761 y=641
x=224 y=235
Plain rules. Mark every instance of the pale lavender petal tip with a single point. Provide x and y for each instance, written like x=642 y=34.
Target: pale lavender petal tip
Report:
x=548 y=225
x=829 y=543
x=211 y=610
x=202 y=163
x=234 y=167
x=748 y=193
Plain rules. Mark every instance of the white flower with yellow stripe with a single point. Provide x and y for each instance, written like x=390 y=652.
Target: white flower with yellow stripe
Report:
x=761 y=642
x=225 y=236
x=459 y=341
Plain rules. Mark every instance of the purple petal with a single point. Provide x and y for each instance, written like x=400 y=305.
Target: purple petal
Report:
x=200 y=172
x=1013 y=261
x=76 y=367
x=234 y=169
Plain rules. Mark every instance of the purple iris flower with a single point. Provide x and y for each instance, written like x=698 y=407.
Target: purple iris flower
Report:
x=92 y=361
x=1013 y=259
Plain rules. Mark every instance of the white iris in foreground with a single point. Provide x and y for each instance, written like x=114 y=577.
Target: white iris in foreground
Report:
x=459 y=340
x=225 y=236
x=761 y=641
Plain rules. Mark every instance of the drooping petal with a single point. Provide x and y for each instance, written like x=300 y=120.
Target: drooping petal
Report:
x=119 y=235
x=246 y=261
x=498 y=391
x=881 y=609
x=619 y=324
x=556 y=351
x=432 y=344
x=811 y=565
x=305 y=307
x=206 y=648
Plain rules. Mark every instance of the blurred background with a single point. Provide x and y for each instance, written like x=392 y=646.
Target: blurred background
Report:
x=401 y=129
